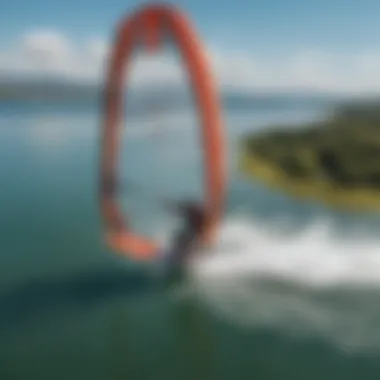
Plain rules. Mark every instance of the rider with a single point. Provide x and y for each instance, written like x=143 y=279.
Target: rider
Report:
x=185 y=242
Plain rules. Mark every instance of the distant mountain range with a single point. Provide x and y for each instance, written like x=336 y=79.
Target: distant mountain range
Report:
x=52 y=90
x=47 y=90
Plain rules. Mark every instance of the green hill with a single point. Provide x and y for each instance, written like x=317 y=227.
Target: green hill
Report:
x=336 y=161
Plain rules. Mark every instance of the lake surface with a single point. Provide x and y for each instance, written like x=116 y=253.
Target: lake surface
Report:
x=291 y=290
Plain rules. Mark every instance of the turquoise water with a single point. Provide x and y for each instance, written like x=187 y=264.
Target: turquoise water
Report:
x=291 y=290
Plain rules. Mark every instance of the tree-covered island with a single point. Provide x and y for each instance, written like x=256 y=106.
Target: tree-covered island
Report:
x=336 y=161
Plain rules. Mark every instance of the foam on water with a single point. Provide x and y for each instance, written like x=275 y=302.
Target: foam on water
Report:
x=308 y=283
x=313 y=256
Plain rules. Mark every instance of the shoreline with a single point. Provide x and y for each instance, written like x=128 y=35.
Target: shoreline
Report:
x=359 y=199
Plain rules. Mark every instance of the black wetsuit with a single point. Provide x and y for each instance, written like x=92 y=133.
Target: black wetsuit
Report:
x=175 y=260
x=185 y=242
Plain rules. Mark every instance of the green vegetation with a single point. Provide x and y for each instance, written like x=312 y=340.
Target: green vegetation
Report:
x=336 y=161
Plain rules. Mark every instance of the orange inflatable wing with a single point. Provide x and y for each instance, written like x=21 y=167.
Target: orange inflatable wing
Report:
x=147 y=24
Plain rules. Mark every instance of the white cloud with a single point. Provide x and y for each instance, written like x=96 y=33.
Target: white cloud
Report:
x=48 y=52
x=97 y=48
x=49 y=46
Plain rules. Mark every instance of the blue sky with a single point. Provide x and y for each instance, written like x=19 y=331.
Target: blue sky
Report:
x=323 y=45
x=271 y=25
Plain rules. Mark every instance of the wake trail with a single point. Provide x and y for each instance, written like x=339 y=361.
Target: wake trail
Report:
x=313 y=256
